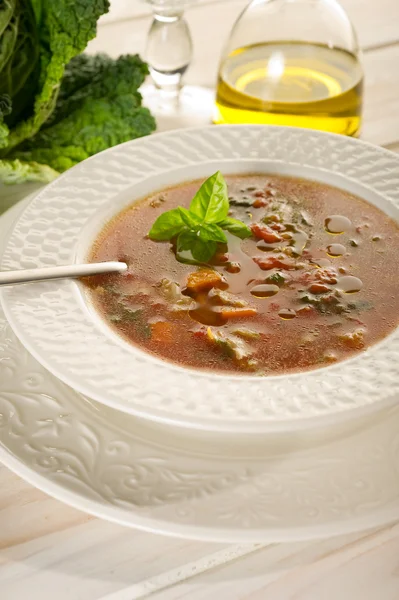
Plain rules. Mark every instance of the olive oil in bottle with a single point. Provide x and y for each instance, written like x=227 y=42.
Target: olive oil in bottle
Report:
x=291 y=83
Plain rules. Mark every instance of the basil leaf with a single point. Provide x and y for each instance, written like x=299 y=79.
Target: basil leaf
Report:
x=211 y=202
x=167 y=225
x=201 y=251
x=190 y=219
x=211 y=232
x=185 y=240
x=235 y=227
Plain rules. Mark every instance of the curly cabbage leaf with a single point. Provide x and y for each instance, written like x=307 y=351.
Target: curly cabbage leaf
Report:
x=98 y=107
x=66 y=26
x=19 y=57
x=57 y=106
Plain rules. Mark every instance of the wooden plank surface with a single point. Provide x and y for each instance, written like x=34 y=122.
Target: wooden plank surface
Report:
x=345 y=568
x=48 y=550
x=381 y=114
x=51 y=548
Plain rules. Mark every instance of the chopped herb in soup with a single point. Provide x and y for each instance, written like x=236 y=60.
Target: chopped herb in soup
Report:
x=259 y=274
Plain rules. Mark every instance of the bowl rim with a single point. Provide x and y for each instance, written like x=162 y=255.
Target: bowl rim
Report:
x=173 y=417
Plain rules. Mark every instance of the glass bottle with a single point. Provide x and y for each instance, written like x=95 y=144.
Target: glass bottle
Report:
x=292 y=62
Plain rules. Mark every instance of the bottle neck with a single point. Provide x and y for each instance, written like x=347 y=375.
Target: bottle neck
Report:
x=168 y=10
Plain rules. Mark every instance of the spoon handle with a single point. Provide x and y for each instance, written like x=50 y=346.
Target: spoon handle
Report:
x=63 y=272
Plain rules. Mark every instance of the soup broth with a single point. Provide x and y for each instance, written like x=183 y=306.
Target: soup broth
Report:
x=316 y=282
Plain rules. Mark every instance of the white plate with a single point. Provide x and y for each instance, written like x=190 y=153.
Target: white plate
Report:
x=57 y=326
x=209 y=487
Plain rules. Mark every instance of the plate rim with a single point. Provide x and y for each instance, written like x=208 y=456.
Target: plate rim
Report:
x=193 y=532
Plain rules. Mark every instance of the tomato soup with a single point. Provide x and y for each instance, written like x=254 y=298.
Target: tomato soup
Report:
x=315 y=283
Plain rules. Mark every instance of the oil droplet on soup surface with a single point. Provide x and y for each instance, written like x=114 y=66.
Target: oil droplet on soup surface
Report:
x=337 y=224
x=320 y=262
x=300 y=239
x=336 y=250
x=350 y=284
x=287 y=314
x=264 y=290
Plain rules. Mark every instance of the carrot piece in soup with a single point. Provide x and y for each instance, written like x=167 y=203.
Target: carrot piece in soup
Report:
x=319 y=288
x=265 y=233
x=204 y=279
x=163 y=332
x=238 y=313
x=266 y=263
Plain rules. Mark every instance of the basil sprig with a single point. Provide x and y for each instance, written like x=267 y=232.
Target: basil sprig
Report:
x=199 y=229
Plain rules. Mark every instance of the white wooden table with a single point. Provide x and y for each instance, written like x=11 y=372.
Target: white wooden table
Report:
x=50 y=551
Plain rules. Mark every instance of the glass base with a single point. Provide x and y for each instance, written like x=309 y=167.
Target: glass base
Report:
x=193 y=108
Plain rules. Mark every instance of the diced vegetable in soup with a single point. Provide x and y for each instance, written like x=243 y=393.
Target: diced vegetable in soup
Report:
x=268 y=275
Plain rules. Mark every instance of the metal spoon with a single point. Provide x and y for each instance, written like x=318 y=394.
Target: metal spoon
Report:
x=63 y=272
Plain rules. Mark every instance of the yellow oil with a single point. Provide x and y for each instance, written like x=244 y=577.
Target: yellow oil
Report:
x=291 y=83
